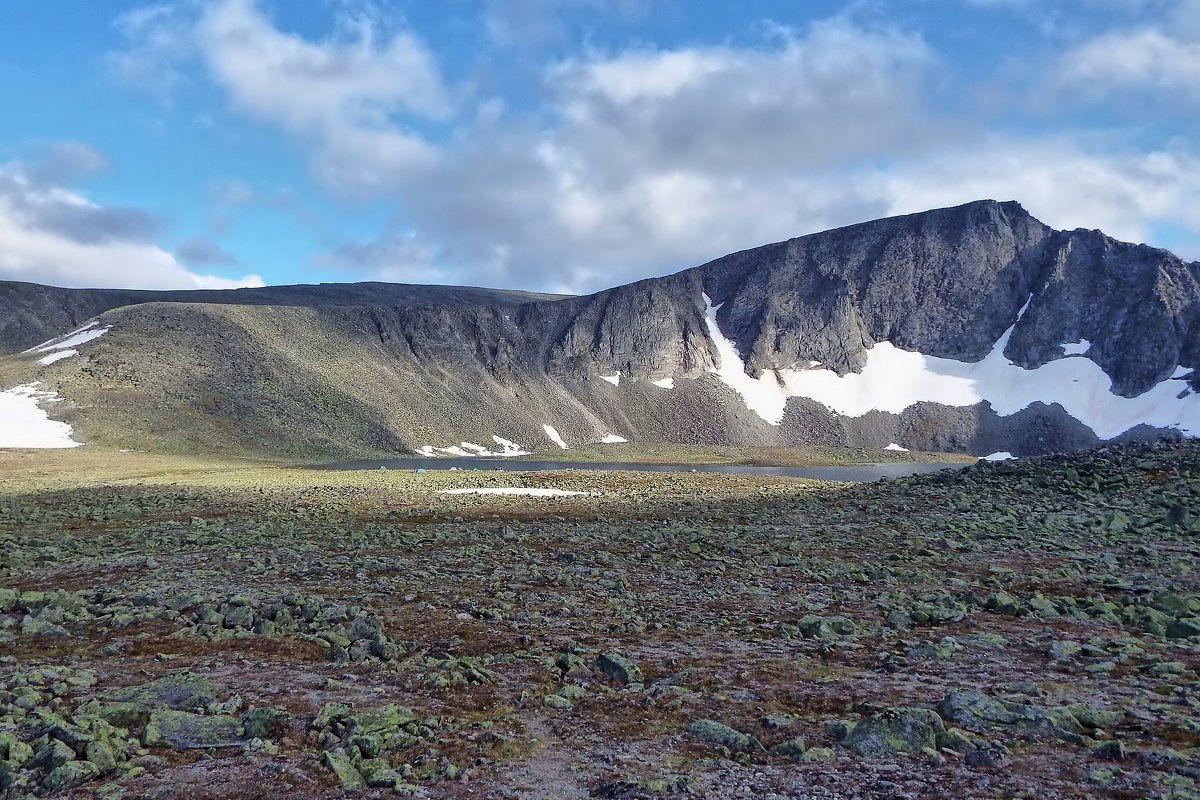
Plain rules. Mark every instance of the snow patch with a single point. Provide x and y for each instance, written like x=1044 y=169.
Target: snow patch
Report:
x=612 y=438
x=59 y=356
x=515 y=491
x=664 y=383
x=896 y=447
x=509 y=448
x=554 y=437
x=1076 y=348
x=73 y=339
x=23 y=423
x=615 y=380
x=471 y=450
x=1002 y=456
x=893 y=380
x=766 y=395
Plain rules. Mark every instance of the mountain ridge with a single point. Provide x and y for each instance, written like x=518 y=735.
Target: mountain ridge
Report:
x=809 y=340
x=31 y=313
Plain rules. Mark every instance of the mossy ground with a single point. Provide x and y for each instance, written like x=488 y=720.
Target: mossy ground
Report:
x=719 y=588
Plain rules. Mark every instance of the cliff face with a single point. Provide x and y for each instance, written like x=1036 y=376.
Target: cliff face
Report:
x=973 y=328
x=945 y=283
x=31 y=313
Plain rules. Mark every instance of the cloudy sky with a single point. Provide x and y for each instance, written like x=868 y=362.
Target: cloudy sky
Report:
x=568 y=145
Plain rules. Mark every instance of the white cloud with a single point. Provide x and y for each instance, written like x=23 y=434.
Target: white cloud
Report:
x=1157 y=48
x=646 y=160
x=342 y=94
x=658 y=159
x=351 y=97
x=833 y=92
x=158 y=43
x=52 y=235
x=662 y=159
x=1147 y=58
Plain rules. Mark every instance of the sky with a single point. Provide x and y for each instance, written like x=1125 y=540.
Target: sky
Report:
x=568 y=145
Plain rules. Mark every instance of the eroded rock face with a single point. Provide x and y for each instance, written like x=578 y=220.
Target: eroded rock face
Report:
x=945 y=283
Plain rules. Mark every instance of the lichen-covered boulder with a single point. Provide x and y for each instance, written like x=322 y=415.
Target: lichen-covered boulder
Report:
x=329 y=714
x=340 y=765
x=721 y=735
x=70 y=775
x=978 y=713
x=384 y=719
x=974 y=710
x=895 y=731
x=793 y=748
x=183 y=691
x=262 y=723
x=619 y=668
x=182 y=730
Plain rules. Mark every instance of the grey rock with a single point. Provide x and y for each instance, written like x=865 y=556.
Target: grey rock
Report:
x=183 y=730
x=721 y=735
x=620 y=668
x=895 y=731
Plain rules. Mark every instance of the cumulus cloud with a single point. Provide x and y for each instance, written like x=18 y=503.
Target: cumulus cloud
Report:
x=54 y=235
x=1064 y=183
x=1140 y=59
x=661 y=159
x=645 y=160
x=344 y=96
x=1159 y=51
x=655 y=159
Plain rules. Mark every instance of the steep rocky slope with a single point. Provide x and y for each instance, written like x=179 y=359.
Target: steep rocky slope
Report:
x=975 y=328
x=31 y=313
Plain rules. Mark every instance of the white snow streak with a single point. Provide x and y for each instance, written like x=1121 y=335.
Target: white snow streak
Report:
x=511 y=448
x=612 y=438
x=554 y=437
x=1002 y=456
x=1076 y=348
x=615 y=380
x=471 y=450
x=59 y=356
x=73 y=339
x=664 y=383
x=896 y=447
x=515 y=491
x=765 y=395
x=23 y=423
x=895 y=379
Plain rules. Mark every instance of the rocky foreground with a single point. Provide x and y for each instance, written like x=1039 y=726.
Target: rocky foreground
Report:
x=1011 y=630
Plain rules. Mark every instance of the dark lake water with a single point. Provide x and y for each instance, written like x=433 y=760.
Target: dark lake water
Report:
x=858 y=473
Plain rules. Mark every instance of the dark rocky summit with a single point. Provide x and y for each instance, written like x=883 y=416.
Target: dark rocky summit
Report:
x=377 y=367
x=31 y=313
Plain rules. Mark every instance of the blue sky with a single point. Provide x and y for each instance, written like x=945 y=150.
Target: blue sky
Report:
x=568 y=145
